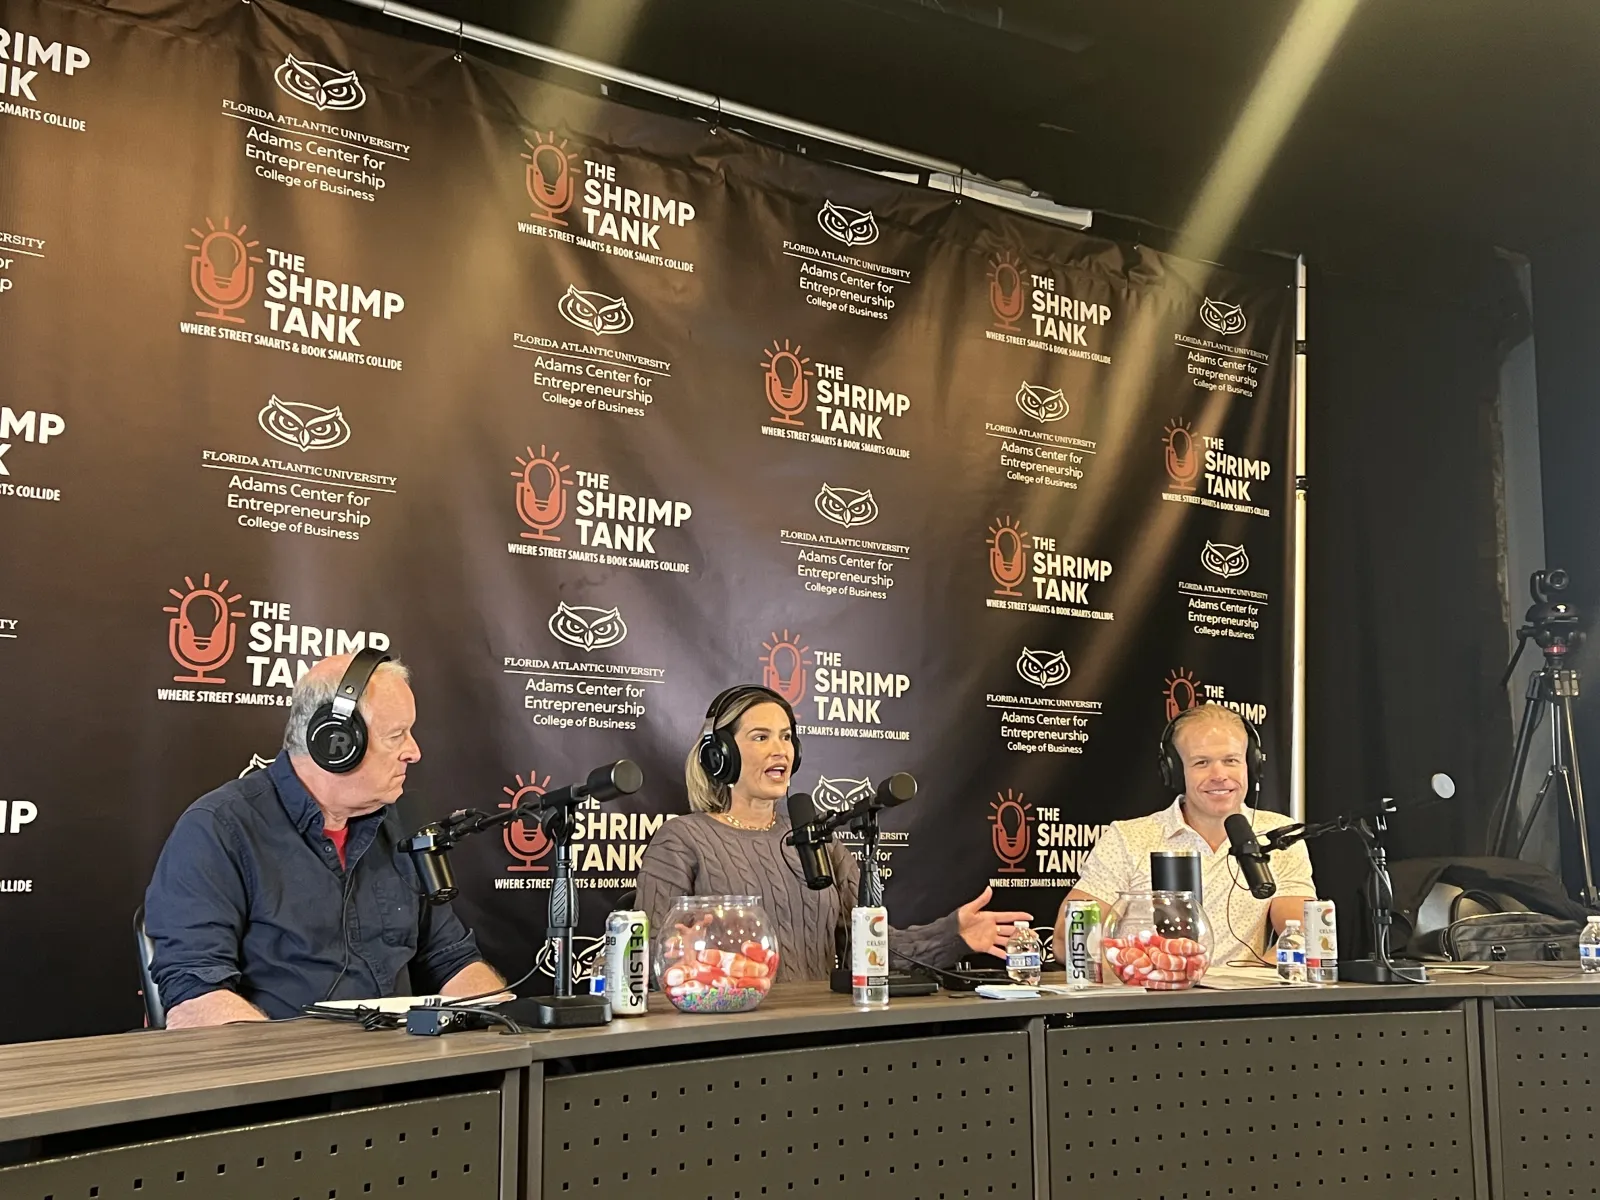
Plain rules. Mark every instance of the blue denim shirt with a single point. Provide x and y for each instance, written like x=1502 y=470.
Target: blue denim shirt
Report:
x=248 y=894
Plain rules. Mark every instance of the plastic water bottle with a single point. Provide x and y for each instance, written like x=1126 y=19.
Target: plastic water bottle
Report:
x=1023 y=955
x=1589 y=947
x=1292 y=953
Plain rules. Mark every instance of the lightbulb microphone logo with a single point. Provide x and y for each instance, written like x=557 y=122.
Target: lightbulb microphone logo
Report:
x=1044 y=668
x=320 y=86
x=852 y=226
x=1182 y=692
x=526 y=841
x=841 y=795
x=783 y=666
x=548 y=177
x=542 y=493
x=222 y=271
x=1012 y=834
x=1183 y=458
x=1227 y=562
x=1006 y=296
x=785 y=371
x=1226 y=319
x=202 y=633
x=1008 y=559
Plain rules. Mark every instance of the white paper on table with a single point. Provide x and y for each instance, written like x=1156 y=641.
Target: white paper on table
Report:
x=404 y=1004
x=1234 y=979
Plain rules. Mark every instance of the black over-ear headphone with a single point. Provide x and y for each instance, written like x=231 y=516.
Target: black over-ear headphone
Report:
x=719 y=753
x=1171 y=763
x=337 y=736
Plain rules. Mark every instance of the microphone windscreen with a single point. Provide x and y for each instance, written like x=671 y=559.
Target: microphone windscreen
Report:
x=802 y=811
x=1241 y=836
x=897 y=789
x=621 y=778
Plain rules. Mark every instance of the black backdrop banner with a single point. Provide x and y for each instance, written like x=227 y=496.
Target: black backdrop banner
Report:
x=318 y=338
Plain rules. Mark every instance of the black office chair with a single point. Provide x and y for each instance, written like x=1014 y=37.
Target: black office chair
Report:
x=154 y=1011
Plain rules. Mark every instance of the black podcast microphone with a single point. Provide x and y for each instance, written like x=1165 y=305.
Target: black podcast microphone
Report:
x=810 y=844
x=621 y=778
x=429 y=847
x=893 y=791
x=1252 y=859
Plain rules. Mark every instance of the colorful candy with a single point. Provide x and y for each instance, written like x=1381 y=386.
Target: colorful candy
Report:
x=1147 y=959
x=711 y=980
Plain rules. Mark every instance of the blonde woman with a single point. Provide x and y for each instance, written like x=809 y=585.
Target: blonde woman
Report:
x=737 y=774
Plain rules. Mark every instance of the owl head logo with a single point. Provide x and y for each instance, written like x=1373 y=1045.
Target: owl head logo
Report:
x=1044 y=668
x=595 y=312
x=846 y=506
x=303 y=426
x=840 y=795
x=321 y=87
x=1042 y=403
x=256 y=763
x=584 y=627
x=852 y=226
x=1226 y=319
x=1226 y=562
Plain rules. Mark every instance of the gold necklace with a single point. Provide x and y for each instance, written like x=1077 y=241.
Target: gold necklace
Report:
x=728 y=819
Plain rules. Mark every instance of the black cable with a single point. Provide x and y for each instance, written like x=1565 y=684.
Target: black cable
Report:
x=346 y=887
x=459 y=1001
x=963 y=976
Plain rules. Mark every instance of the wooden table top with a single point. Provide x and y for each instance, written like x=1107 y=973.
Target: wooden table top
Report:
x=50 y=1087
x=80 y=1083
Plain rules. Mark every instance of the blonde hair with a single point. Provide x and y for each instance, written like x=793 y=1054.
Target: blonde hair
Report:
x=705 y=793
x=1211 y=714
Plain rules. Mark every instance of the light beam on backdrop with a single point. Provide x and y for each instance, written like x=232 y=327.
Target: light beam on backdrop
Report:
x=1296 y=63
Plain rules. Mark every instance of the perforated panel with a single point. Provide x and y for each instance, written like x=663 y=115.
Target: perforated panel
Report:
x=1304 y=1105
x=447 y=1147
x=1548 y=1101
x=936 y=1118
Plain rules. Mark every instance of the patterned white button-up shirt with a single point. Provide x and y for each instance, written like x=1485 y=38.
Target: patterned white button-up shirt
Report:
x=1120 y=862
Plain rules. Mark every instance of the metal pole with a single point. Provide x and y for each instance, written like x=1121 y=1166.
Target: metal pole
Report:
x=940 y=174
x=1297 y=735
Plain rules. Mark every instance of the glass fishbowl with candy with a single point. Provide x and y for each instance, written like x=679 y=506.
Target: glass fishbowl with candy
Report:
x=1160 y=941
x=716 y=954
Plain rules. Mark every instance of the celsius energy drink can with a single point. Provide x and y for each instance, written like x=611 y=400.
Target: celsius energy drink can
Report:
x=1322 y=942
x=869 y=957
x=1082 y=955
x=627 y=962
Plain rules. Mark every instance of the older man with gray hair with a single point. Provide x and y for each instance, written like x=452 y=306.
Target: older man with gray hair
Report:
x=290 y=886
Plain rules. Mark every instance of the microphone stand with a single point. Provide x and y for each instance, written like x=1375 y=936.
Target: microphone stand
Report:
x=563 y=1010
x=1380 y=968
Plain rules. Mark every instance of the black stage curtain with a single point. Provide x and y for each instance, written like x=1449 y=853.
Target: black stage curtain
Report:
x=1406 y=631
x=1567 y=313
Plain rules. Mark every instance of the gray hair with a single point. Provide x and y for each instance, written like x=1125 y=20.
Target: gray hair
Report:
x=318 y=688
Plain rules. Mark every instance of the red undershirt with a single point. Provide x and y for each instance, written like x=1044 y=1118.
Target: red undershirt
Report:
x=338 y=837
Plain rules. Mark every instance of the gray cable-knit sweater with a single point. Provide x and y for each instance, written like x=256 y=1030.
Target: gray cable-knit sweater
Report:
x=698 y=855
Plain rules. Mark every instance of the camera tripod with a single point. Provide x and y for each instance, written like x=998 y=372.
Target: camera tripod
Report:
x=1553 y=625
